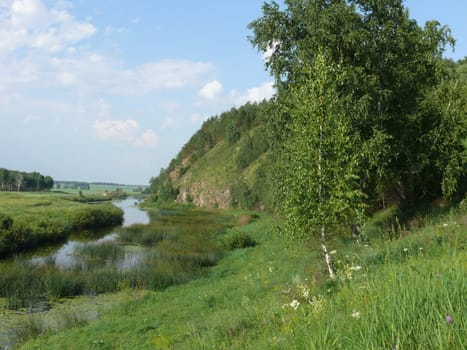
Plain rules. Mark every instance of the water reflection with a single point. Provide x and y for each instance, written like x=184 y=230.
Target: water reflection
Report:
x=72 y=254
x=131 y=213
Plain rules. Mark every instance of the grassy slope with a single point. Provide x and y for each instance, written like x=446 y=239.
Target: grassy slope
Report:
x=217 y=169
x=393 y=295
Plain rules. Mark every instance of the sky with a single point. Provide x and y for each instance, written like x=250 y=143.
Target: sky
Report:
x=110 y=90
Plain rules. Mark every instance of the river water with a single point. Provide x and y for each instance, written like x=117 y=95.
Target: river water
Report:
x=64 y=256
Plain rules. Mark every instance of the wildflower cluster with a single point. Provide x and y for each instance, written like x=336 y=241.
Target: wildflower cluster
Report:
x=349 y=271
x=347 y=267
x=301 y=295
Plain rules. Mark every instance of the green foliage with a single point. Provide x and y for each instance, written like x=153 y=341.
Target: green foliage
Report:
x=13 y=180
x=252 y=147
x=318 y=168
x=232 y=134
x=5 y=221
x=241 y=195
x=393 y=71
x=162 y=189
x=238 y=240
x=96 y=216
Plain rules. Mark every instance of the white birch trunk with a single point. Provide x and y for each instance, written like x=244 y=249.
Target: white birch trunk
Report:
x=327 y=256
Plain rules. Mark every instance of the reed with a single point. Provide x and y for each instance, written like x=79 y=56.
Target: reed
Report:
x=98 y=254
x=179 y=245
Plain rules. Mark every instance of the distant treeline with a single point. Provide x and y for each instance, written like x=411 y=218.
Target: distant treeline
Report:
x=72 y=184
x=81 y=185
x=13 y=180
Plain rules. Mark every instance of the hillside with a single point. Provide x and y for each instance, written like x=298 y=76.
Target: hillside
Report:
x=222 y=165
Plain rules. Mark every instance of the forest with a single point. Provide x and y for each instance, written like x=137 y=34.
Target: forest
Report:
x=365 y=82
x=13 y=180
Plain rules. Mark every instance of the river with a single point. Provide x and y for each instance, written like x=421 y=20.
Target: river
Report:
x=64 y=256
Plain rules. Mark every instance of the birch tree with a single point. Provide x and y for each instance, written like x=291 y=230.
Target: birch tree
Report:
x=318 y=164
x=393 y=63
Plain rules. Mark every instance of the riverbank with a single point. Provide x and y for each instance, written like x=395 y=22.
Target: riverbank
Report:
x=31 y=219
x=405 y=293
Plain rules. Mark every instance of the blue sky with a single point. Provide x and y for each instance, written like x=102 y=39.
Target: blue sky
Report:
x=110 y=90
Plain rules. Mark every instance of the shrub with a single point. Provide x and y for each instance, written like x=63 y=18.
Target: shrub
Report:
x=239 y=240
x=5 y=222
x=96 y=216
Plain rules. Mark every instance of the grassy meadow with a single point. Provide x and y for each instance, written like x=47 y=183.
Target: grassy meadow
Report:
x=402 y=291
x=102 y=192
x=30 y=219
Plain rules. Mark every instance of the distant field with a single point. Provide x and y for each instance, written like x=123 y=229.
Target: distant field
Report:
x=36 y=203
x=96 y=189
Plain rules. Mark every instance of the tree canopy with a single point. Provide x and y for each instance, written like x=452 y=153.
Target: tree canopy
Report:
x=412 y=121
x=13 y=180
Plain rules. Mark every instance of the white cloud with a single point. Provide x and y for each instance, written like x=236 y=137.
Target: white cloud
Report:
x=146 y=139
x=171 y=74
x=125 y=130
x=212 y=95
x=259 y=93
x=41 y=47
x=29 y=24
x=28 y=13
x=116 y=129
x=211 y=90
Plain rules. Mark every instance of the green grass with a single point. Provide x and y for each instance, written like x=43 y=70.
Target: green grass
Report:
x=398 y=294
x=215 y=171
x=37 y=218
x=179 y=244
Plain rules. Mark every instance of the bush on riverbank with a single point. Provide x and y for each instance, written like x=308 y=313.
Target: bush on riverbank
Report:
x=96 y=216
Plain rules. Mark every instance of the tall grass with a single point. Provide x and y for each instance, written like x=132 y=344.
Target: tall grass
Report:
x=178 y=246
x=403 y=294
x=102 y=253
x=389 y=294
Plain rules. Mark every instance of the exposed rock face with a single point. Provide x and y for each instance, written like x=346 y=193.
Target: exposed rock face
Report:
x=204 y=197
x=178 y=171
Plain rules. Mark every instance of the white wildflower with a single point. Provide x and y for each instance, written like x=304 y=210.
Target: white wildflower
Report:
x=294 y=304
x=356 y=314
x=356 y=268
x=445 y=225
x=406 y=250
